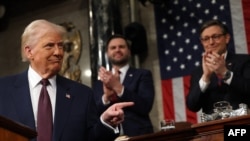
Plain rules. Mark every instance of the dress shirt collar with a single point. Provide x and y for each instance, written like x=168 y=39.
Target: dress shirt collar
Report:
x=123 y=69
x=225 y=55
x=34 y=78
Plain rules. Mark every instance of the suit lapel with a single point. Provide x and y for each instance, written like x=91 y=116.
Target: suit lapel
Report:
x=23 y=105
x=22 y=100
x=229 y=61
x=63 y=106
x=129 y=76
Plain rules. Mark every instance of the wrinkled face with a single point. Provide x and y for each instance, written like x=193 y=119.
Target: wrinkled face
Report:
x=118 y=52
x=213 y=40
x=46 y=55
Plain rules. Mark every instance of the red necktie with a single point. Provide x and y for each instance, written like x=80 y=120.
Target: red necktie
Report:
x=219 y=80
x=44 y=114
x=114 y=98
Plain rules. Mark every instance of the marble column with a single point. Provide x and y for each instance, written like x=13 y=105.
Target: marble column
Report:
x=104 y=19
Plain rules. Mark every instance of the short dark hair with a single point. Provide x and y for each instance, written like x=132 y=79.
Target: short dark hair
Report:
x=114 y=36
x=214 y=23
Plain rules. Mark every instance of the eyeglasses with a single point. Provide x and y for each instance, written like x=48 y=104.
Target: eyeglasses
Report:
x=215 y=37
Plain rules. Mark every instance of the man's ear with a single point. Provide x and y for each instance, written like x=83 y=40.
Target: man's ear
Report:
x=223 y=55
x=28 y=52
x=227 y=38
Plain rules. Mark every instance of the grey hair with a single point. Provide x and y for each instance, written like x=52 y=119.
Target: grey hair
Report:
x=35 y=30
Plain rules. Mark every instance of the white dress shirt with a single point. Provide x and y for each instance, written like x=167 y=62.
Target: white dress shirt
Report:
x=35 y=88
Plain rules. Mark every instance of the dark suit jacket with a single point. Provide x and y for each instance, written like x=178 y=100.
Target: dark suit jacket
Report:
x=139 y=88
x=76 y=118
x=235 y=93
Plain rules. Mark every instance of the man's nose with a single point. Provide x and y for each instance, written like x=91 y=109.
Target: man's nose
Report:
x=58 y=49
x=211 y=40
x=117 y=48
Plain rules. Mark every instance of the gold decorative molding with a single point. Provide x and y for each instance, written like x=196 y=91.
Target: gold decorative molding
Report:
x=72 y=52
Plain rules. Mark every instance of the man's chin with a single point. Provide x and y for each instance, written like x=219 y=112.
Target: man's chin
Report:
x=56 y=68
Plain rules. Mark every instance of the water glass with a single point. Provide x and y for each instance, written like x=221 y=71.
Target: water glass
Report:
x=167 y=124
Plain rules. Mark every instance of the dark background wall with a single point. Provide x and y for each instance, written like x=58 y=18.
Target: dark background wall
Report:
x=20 y=13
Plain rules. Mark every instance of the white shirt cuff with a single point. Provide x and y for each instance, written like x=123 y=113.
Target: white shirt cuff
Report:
x=121 y=92
x=203 y=85
x=116 y=129
x=229 y=80
x=103 y=101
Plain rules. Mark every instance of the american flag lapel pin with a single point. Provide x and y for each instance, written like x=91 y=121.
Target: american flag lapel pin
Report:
x=229 y=65
x=68 y=96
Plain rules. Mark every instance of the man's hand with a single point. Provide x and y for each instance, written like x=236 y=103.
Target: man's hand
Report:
x=213 y=62
x=107 y=93
x=114 y=115
x=216 y=63
x=111 y=81
x=207 y=72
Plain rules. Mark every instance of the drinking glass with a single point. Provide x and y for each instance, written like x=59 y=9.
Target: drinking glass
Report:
x=167 y=124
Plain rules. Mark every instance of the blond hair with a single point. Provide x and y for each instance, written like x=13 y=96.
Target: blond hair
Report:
x=35 y=30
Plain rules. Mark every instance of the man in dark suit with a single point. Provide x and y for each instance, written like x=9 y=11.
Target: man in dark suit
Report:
x=74 y=114
x=125 y=83
x=223 y=76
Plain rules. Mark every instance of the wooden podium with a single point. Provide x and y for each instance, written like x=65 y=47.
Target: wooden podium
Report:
x=214 y=130
x=182 y=132
x=207 y=131
x=12 y=131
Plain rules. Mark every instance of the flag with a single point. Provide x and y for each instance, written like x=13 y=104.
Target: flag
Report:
x=179 y=48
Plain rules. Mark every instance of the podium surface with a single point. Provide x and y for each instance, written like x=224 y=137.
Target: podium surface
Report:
x=182 y=132
x=207 y=131
x=214 y=130
x=12 y=131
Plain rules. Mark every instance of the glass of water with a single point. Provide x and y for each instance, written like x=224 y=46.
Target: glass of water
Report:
x=167 y=124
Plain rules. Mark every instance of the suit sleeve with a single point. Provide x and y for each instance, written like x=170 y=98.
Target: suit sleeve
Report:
x=141 y=92
x=99 y=131
x=98 y=93
x=194 y=100
x=241 y=79
x=238 y=91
